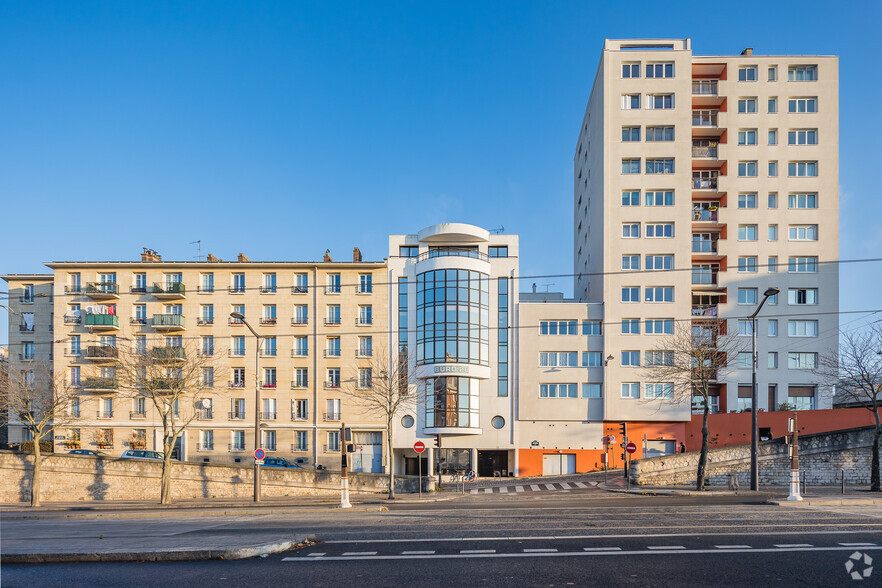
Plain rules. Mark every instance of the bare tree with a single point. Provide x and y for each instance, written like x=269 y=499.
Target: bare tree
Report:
x=689 y=362
x=384 y=388
x=172 y=378
x=39 y=400
x=856 y=372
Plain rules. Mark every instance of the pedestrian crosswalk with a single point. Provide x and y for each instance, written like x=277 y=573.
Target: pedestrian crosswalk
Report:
x=545 y=486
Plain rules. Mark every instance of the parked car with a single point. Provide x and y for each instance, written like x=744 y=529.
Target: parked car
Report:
x=85 y=452
x=140 y=454
x=278 y=462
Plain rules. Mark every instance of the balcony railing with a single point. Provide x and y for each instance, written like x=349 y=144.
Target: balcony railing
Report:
x=100 y=384
x=268 y=385
x=702 y=246
x=236 y=289
x=72 y=320
x=108 y=321
x=104 y=415
x=99 y=352
x=235 y=448
x=704 y=277
x=205 y=289
x=138 y=289
x=709 y=311
x=363 y=321
x=205 y=447
x=102 y=290
x=704 y=118
x=333 y=289
x=268 y=321
x=26 y=328
x=26 y=299
x=205 y=353
x=268 y=353
x=236 y=416
x=296 y=322
x=297 y=384
x=136 y=415
x=236 y=352
x=332 y=385
x=73 y=289
x=168 y=354
x=331 y=353
x=138 y=320
x=705 y=215
x=237 y=384
x=299 y=417
x=205 y=321
x=453 y=252
x=267 y=416
x=299 y=289
x=330 y=417
x=704 y=183
x=330 y=448
x=234 y=322
x=204 y=415
x=169 y=321
x=364 y=353
x=332 y=321
x=299 y=353
x=170 y=290
x=704 y=87
x=26 y=357
x=268 y=290
x=709 y=152
x=295 y=448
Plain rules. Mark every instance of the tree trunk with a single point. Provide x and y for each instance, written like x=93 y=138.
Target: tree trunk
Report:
x=702 y=458
x=35 y=478
x=874 y=466
x=389 y=458
x=165 y=484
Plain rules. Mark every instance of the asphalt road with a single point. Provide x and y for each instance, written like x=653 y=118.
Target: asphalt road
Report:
x=549 y=539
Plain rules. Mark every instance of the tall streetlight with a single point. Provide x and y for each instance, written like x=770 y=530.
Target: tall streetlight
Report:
x=754 y=427
x=241 y=317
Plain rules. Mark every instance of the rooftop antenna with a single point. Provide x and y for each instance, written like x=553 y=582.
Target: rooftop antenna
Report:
x=497 y=231
x=198 y=244
x=547 y=286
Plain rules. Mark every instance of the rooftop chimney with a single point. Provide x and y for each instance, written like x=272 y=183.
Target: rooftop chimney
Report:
x=243 y=257
x=327 y=257
x=748 y=51
x=356 y=254
x=211 y=258
x=534 y=287
x=150 y=255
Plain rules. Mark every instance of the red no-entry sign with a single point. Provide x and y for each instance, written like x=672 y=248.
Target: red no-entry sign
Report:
x=631 y=447
x=419 y=446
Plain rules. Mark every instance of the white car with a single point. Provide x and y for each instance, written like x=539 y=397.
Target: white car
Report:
x=141 y=454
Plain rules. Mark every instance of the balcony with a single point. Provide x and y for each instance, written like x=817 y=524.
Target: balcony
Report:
x=331 y=353
x=168 y=354
x=138 y=320
x=299 y=417
x=268 y=321
x=165 y=386
x=237 y=384
x=295 y=448
x=234 y=322
x=268 y=290
x=332 y=290
x=205 y=321
x=299 y=353
x=138 y=289
x=268 y=385
x=705 y=118
x=332 y=385
x=453 y=252
x=705 y=215
x=104 y=416
x=704 y=311
x=100 y=384
x=204 y=415
x=330 y=417
x=236 y=289
x=267 y=416
x=268 y=353
x=102 y=291
x=706 y=183
x=73 y=289
x=171 y=291
x=234 y=448
x=296 y=322
x=704 y=87
x=72 y=320
x=704 y=276
x=26 y=328
x=169 y=322
x=704 y=246
x=137 y=415
x=236 y=415
x=236 y=353
x=363 y=321
x=205 y=447
x=705 y=151
x=364 y=353
x=330 y=448
x=298 y=384
x=299 y=289
x=102 y=353
x=102 y=322
x=205 y=289
x=332 y=321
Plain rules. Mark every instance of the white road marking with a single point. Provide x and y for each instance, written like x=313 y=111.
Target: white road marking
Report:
x=665 y=547
x=550 y=486
x=535 y=487
x=315 y=555
x=601 y=549
x=476 y=551
x=519 y=488
x=488 y=490
x=359 y=553
x=732 y=546
x=417 y=552
x=564 y=485
x=540 y=551
x=785 y=545
x=503 y=490
x=580 y=485
x=474 y=491
x=856 y=544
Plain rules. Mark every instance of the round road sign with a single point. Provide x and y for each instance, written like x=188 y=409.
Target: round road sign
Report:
x=631 y=447
x=259 y=454
x=419 y=446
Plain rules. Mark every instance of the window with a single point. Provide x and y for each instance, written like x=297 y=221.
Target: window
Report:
x=301 y=346
x=665 y=133
x=631 y=262
x=333 y=440
x=655 y=358
x=631 y=294
x=301 y=411
x=207 y=283
x=806 y=201
x=802 y=105
x=365 y=346
x=802 y=169
x=746 y=295
x=660 y=326
x=75 y=376
x=558 y=328
x=301 y=284
x=301 y=314
x=208 y=345
x=746 y=169
x=802 y=137
x=630 y=133
x=745 y=328
x=365 y=283
x=75 y=283
x=557 y=391
x=773 y=73
x=631 y=166
x=773 y=105
x=592 y=390
x=802 y=265
x=661 y=101
x=802 y=73
x=630 y=101
x=660 y=70
x=238 y=439
x=365 y=378
x=659 y=390
x=660 y=198
x=802 y=296
x=208 y=377
x=631 y=70
x=269 y=284
x=747 y=232
x=802 y=361
x=747 y=137
x=333 y=348
x=659 y=166
x=238 y=345
x=366 y=314
x=630 y=359
x=772 y=330
x=333 y=317
x=333 y=286
x=659 y=293
x=630 y=390
x=747 y=264
x=744 y=360
x=747 y=73
x=802 y=397
x=802 y=328
x=206 y=440
x=140 y=317
x=802 y=232
x=631 y=231
x=659 y=262
x=747 y=201
x=269 y=381
x=773 y=232
x=773 y=264
x=333 y=380
x=238 y=286
x=408 y=251
x=659 y=230
x=591 y=328
x=773 y=136
x=592 y=359
x=747 y=105
x=773 y=169
x=558 y=359
x=772 y=360
x=269 y=346
x=497 y=251
x=631 y=198
x=301 y=439
x=631 y=326
x=269 y=314
x=301 y=378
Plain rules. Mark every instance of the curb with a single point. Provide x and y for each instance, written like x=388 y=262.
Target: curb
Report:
x=177 y=555
x=709 y=493
x=196 y=512
x=826 y=502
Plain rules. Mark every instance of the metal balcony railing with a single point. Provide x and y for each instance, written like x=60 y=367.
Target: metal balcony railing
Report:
x=237 y=384
x=704 y=87
x=102 y=352
x=205 y=447
x=204 y=415
x=299 y=417
x=298 y=384
x=104 y=415
x=205 y=321
x=268 y=353
x=236 y=352
x=330 y=417
x=332 y=385
x=268 y=416
x=705 y=215
x=709 y=311
x=72 y=320
x=709 y=152
x=704 y=183
x=169 y=321
x=364 y=321
x=296 y=322
x=101 y=289
x=102 y=320
x=268 y=290
x=236 y=416
x=268 y=321
x=295 y=448
x=138 y=320
x=168 y=354
x=705 y=118
x=364 y=353
x=170 y=289
x=453 y=252
x=332 y=321
x=234 y=447
x=100 y=383
x=299 y=353
x=331 y=353
x=299 y=289
x=137 y=415
x=326 y=448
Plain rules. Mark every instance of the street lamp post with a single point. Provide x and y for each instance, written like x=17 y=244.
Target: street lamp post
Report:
x=240 y=317
x=754 y=427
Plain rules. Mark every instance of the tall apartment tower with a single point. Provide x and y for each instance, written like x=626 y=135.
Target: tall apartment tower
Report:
x=724 y=169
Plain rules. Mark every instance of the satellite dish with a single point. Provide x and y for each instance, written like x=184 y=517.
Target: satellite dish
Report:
x=205 y=403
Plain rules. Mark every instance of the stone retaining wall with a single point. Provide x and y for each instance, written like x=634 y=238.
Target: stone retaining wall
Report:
x=822 y=458
x=67 y=478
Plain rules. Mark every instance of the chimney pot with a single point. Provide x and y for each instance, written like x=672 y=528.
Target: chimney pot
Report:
x=327 y=257
x=356 y=254
x=747 y=51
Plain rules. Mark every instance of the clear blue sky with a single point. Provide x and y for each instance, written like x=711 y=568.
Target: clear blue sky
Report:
x=284 y=129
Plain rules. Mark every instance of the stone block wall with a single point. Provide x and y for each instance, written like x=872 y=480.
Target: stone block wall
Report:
x=71 y=478
x=822 y=457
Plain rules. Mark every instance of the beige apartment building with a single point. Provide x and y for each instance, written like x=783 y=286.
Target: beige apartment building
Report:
x=699 y=183
x=318 y=323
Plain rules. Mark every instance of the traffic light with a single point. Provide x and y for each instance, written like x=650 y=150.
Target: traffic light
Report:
x=623 y=429
x=436 y=441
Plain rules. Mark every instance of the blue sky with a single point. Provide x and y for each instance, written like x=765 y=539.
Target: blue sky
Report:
x=284 y=129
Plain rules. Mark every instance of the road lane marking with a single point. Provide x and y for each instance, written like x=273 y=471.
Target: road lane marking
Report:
x=503 y=490
x=417 y=552
x=856 y=544
x=519 y=488
x=315 y=555
x=359 y=553
x=540 y=551
x=601 y=549
x=488 y=490
x=535 y=487
x=550 y=486
x=564 y=485
x=476 y=551
x=474 y=491
x=580 y=485
x=784 y=545
x=665 y=547
x=732 y=546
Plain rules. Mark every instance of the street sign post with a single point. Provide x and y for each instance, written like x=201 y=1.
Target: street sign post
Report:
x=419 y=447
x=258 y=462
x=631 y=447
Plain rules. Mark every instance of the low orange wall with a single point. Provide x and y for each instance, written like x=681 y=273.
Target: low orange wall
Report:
x=530 y=460
x=734 y=428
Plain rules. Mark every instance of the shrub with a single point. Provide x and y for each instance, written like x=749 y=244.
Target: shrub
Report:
x=45 y=447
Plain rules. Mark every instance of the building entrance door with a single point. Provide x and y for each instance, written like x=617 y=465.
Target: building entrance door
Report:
x=557 y=464
x=368 y=455
x=492 y=463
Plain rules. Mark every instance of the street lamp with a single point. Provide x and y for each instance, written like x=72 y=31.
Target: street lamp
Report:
x=241 y=317
x=754 y=427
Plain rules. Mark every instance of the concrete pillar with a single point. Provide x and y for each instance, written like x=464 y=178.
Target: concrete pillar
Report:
x=474 y=451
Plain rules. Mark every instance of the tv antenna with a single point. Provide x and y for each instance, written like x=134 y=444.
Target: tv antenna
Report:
x=198 y=244
x=547 y=286
x=497 y=231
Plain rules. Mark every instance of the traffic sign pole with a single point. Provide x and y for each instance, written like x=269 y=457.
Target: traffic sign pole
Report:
x=344 y=476
x=419 y=447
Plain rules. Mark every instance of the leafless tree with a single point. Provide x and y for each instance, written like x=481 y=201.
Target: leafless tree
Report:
x=689 y=361
x=38 y=400
x=172 y=379
x=855 y=369
x=384 y=388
